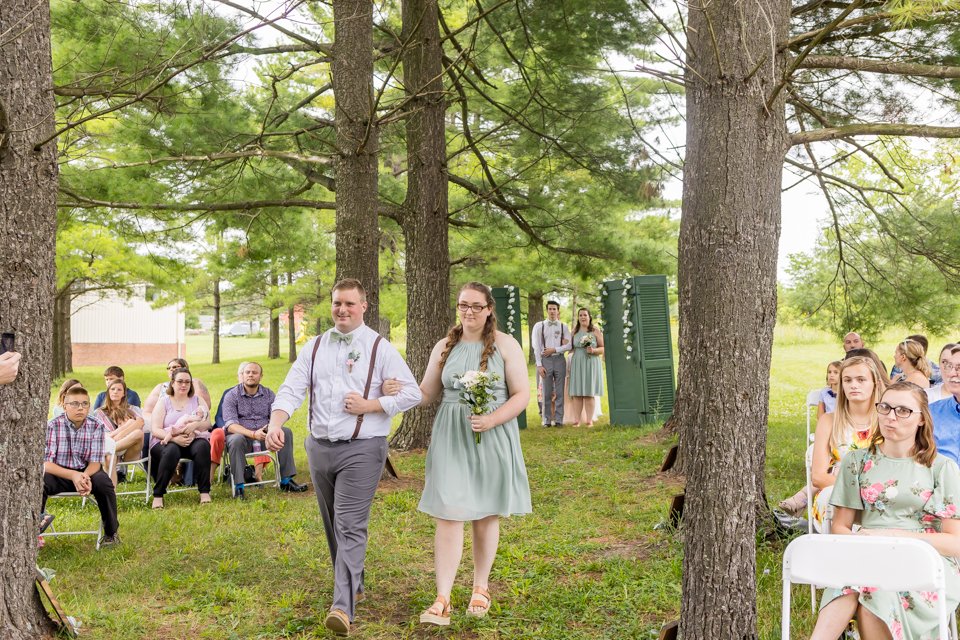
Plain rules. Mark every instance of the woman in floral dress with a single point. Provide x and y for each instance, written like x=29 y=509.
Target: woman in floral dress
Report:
x=898 y=486
x=849 y=427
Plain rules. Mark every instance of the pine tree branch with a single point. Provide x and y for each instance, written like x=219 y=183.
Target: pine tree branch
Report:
x=850 y=63
x=228 y=155
x=874 y=129
x=82 y=202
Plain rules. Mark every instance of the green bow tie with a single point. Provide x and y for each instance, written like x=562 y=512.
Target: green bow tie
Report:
x=336 y=336
x=552 y=323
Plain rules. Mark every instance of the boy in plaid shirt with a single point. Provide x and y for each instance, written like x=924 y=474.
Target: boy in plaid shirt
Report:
x=71 y=461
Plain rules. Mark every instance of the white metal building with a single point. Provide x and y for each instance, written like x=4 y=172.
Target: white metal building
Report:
x=107 y=328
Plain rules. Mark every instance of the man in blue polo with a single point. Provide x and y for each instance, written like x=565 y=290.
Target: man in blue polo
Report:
x=946 y=412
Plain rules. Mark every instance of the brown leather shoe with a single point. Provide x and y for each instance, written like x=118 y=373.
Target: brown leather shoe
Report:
x=338 y=622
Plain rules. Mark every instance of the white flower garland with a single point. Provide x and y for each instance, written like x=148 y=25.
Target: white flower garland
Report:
x=627 y=301
x=511 y=299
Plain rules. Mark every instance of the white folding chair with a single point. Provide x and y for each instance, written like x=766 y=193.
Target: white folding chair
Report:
x=273 y=459
x=886 y=563
x=131 y=467
x=149 y=490
x=109 y=449
x=813 y=400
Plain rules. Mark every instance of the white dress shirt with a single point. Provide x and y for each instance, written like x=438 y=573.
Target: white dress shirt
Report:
x=332 y=381
x=549 y=334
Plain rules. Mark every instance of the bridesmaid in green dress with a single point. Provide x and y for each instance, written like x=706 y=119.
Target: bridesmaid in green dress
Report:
x=586 y=374
x=899 y=486
x=466 y=480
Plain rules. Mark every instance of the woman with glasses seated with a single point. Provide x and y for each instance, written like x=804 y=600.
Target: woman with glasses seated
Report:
x=180 y=428
x=474 y=470
x=123 y=422
x=160 y=389
x=849 y=427
x=898 y=486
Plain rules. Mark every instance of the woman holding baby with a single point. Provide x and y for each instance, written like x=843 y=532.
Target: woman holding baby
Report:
x=180 y=429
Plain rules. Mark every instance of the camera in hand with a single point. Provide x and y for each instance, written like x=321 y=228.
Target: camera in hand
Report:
x=7 y=342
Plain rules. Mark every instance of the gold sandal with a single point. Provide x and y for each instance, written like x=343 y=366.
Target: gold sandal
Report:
x=482 y=601
x=441 y=619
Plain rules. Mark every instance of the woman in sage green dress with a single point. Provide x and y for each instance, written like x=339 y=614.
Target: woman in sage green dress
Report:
x=899 y=486
x=586 y=374
x=466 y=479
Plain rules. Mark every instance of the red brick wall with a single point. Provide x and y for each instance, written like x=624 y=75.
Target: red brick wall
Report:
x=106 y=354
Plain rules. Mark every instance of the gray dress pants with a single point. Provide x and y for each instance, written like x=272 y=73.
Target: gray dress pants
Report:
x=553 y=382
x=346 y=474
x=238 y=445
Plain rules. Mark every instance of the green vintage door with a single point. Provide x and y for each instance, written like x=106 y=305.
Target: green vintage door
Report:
x=507 y=301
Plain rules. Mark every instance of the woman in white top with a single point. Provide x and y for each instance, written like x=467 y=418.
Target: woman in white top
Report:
x=123 y=422
x=937 y=392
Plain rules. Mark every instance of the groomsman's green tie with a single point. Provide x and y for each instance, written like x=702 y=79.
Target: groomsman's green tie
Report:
x=336 y=336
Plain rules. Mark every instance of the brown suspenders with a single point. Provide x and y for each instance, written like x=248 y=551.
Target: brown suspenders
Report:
x=366 y=389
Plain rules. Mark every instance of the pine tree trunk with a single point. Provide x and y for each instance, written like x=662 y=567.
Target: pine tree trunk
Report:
x=216 y=321
x=273 y=349
x=28 y=213
x=58 y=370
x=729 y=231
x=291 y=334
x=358 y=231
x=424 y=220
x=534 y=315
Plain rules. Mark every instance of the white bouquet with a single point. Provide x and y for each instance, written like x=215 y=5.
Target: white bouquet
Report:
x=476 y=392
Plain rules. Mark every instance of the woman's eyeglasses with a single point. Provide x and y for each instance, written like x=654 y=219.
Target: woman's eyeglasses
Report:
x=901 y=412
x=182 y=381
x=476 y=308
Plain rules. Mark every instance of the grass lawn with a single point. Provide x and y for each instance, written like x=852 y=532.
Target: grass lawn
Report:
x=587 y=564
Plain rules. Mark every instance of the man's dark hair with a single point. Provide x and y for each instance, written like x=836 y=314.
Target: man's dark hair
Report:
x=113 y=371
x=922 y=339
x=554 y=303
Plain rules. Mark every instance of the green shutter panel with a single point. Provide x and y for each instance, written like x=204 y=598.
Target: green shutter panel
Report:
x=640 y=383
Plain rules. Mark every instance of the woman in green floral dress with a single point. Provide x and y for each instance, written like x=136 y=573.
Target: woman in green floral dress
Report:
x=899 y=486
x=586 y=374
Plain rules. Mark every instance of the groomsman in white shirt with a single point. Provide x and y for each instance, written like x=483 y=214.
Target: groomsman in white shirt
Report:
x=551 y=339
x=348 y=422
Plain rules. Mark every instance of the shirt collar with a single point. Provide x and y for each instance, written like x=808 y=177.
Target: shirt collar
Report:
x=243 y=390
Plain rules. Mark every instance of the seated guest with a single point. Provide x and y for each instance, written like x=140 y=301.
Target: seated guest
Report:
x=109 y=375
x=936 y=391
x=159 y=390
x=828 y=395
x=911 y=359
x=849 y=427
x=68 y=384
x=934 y=368
x=180 y=428
x=946 y=412
x=852 y=341
x=72 y=460
x=246 y=415
x=218 y=438
x=898 y=486
x=123 y=422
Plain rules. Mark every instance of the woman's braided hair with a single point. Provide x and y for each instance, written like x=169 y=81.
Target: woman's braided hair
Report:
x=489 y=328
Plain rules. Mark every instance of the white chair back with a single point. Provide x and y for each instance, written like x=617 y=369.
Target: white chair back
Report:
x=813 y=400
x=886 y=563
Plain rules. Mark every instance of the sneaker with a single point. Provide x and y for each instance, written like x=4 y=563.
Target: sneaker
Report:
x=239 y=494
x=121 y=475
x=109 y=541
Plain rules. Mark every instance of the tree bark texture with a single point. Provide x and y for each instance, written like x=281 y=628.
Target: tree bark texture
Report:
x=62 y=356
x=28 y=188
x=534 y=315
x=358 y=233
x=216 y=321
x=729 y=231
x=424 y=220
x=291 y=334
x=273 y=343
